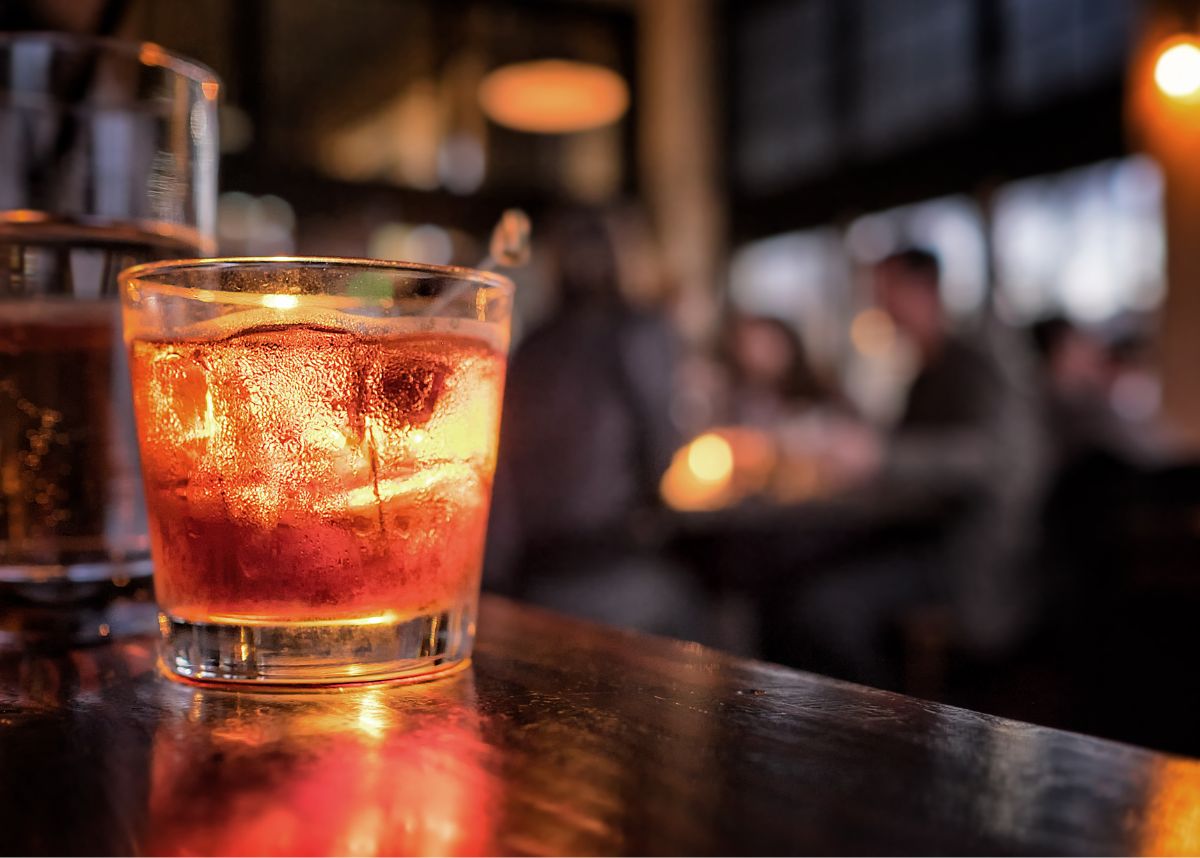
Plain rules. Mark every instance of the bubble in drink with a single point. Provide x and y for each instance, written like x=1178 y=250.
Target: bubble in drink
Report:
x=310 y=472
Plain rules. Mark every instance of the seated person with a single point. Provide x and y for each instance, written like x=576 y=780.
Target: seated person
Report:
x=585 y=438
x=968 y=453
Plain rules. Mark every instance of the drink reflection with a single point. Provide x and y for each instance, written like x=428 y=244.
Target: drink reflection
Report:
x=354 y=771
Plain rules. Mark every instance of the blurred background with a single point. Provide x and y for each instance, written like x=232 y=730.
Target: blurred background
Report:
x=858 y=335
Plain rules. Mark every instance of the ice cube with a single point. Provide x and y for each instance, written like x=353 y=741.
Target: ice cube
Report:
x=409 y=384
x=286 y=406
x=174 y=398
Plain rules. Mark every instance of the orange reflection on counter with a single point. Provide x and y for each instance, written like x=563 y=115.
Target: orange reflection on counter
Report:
x=362 y=771
x=1172 y=821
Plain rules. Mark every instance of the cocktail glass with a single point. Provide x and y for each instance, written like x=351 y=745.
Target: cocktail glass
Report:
x=318 y=439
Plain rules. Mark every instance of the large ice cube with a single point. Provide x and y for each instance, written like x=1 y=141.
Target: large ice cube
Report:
x=405 y=381
x=288 y=422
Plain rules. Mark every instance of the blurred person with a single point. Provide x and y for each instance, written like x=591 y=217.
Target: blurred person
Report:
x=585 y=438
x=1081 y=373
x=1097 y=462
x=967 y=455
x=1135 y=390
x=772 y=387
x=770 y=377
x=1075 y=360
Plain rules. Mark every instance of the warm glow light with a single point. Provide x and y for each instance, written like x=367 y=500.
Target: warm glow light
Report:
x=382 y=770
x=23 y=216
x=1171 y=823
x=717 y=469
x=375 y=620
x=872 y=332
x=374 y=716
x=151 y=54
x=710 y=458
x=1177 y=70
x=281 y=302
x=210 y=89
x=368 y=497
x=553 y=96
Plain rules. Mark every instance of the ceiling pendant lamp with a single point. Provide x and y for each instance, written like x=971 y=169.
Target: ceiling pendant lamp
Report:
x=553 y=96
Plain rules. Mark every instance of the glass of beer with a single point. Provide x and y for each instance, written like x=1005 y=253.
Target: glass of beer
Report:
x=318 y=440
x=108 y=157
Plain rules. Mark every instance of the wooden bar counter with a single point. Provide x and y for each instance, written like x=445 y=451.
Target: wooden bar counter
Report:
x=562 y=738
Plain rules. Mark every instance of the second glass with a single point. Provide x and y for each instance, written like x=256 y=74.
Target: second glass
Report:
x=318 y=439
x=108 y=157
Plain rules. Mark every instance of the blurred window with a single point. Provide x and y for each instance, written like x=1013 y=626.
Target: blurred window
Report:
x=1052 y=47
x=915 y=69
x=1088 y=242
x=786 y=123
x=249 y=225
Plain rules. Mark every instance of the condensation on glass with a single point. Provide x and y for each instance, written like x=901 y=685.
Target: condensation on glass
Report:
x=318 y=439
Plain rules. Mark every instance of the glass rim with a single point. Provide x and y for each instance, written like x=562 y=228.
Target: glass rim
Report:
x=145 y=53
x=143 y=276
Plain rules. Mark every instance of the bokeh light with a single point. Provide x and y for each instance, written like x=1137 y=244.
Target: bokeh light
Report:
x=873 y=333
x=553 y=96
x=1177 y=70
x=710 y=458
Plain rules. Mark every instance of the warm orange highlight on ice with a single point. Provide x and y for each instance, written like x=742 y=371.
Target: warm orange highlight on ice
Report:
x=304 y=473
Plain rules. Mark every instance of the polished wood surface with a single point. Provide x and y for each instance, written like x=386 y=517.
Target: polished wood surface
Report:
x=562 y=738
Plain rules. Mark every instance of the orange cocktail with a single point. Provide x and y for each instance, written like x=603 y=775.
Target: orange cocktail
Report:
x=317 y=464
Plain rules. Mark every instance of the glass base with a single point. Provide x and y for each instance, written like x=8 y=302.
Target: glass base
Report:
x=414 y=648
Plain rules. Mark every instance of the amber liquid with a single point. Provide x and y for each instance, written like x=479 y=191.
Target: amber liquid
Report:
x=70 y=497
x=304 y=473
